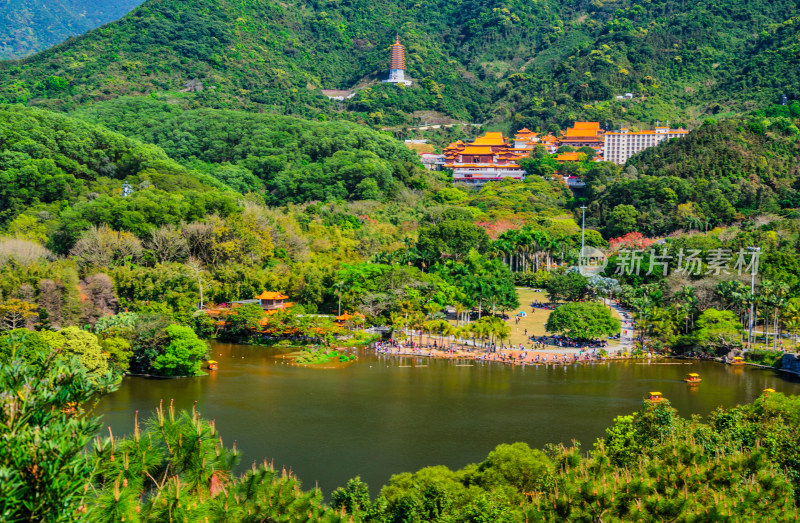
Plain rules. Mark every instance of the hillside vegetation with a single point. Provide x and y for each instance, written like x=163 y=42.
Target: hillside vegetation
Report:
x=30 y=26
x=722 y=172
x=537 y=64
x=55 y=166
x=59 y=175
x=294 y=160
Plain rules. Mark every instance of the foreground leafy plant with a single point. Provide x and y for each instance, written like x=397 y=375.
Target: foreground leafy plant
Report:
x=177 y=469
x=43 y=431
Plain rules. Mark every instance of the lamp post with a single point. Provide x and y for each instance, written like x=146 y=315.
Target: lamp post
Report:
x=583 y=238
x=755 y=251
x=339 y=286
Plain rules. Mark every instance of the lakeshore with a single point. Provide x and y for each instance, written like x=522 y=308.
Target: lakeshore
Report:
x=508 y=356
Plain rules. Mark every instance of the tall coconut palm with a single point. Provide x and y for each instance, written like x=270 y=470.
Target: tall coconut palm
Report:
x=502 y=331
x=417 y=321
x=460 y=310
x=446 y=330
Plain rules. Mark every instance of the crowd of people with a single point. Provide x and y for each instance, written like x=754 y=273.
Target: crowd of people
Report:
x=509 y=354
x=552 y=349
x=564 y=341
x=536 y=304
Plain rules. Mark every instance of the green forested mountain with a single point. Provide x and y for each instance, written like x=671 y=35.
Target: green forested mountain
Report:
x=60 y=175
x=29 y=26
x=69 y=174
x=722 y=172
x=529 y=63
x=294 y=160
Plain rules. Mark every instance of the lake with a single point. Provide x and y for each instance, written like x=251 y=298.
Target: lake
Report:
x=384 y=415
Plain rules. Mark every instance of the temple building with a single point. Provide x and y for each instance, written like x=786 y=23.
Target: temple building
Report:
x=526 y=140
x=397 y=64
x=270 y=301
x=583 y=134
x=621 y=145
x=487 y=158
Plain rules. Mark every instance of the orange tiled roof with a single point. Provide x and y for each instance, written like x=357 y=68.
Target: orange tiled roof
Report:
x=587 y=125
x=581 y=129
x=271 y=296
x=568 y=157
x=347 y=316
x=490 y=139
x=477 y=150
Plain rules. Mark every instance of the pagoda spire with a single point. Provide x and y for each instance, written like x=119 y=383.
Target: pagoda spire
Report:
x=397 y=62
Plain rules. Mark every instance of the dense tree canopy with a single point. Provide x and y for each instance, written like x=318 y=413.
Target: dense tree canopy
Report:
x=583 y=320
x=474 y=64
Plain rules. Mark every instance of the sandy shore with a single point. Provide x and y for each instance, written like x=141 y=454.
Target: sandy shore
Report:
x=509 y=356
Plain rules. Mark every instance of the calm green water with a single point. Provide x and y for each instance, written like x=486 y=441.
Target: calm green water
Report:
x=378 y=417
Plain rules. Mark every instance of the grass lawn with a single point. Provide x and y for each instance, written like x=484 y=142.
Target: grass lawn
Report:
x=535 y=320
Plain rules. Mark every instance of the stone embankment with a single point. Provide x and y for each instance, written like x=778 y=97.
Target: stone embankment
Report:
x=791 y=364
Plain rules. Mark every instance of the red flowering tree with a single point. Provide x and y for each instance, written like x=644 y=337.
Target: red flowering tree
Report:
x=632 y=240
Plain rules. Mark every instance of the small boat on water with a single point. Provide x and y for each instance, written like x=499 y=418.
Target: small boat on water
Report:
x=692 y=377
x=211 y=365
x=655 y=396
x=767 y=391
x=737 y=360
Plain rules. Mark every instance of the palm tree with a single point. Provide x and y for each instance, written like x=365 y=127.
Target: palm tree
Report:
x=480 y=330
x=432 y=308
x=793 y=327
x=689 y=305
x=339 y=287
x=773 y=295
x=446 y=330
x=398 y=321
x=460 y=310
x=502 y=331
x=417 y=322
x=791 y=317
x=504 y=246
x=460 y=334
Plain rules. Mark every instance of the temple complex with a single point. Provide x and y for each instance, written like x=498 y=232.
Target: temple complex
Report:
x=491 y=157
x=525 y=140
x=487 y=158
x=397 y=63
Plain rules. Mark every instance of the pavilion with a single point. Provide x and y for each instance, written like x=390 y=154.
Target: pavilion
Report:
x=270 y=301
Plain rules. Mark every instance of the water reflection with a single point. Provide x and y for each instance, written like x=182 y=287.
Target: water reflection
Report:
x=384 y=415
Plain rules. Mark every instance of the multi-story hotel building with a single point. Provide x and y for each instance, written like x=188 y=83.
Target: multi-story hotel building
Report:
x=621 y=145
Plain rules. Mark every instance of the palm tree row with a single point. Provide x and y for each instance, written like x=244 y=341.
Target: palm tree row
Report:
x=771 y=307
x=489 y=329
x=528 y=250
x=773 y=312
